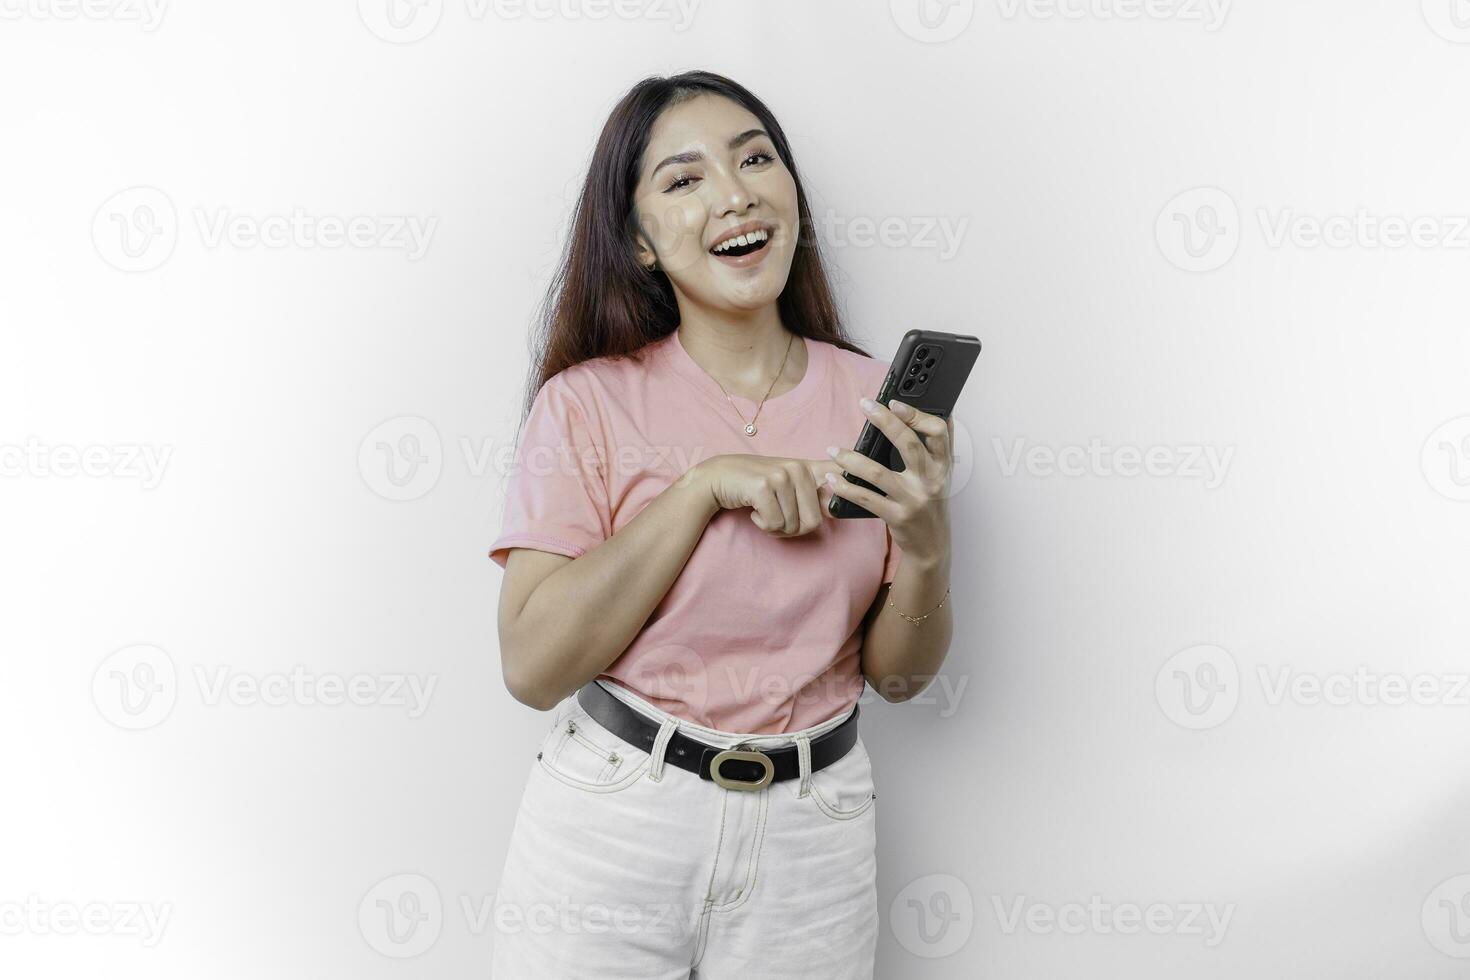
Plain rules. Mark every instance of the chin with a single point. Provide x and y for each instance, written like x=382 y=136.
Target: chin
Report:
x=754 y=293
x=752 y=301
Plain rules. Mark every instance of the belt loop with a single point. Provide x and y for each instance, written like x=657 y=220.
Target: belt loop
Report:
x=660 y=746
x=803 y=763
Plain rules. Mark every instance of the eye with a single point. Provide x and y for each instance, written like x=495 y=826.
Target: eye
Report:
x=759 y=157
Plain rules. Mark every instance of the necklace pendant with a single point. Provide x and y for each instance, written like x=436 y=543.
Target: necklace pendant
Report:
x=750 y=428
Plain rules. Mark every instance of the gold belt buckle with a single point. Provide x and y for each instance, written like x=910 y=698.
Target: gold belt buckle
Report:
x=747 y=755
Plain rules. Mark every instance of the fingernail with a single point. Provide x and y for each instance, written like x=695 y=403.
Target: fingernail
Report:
x=868 y=404
x=831 y=450
x=832 y=479
x=898 y=408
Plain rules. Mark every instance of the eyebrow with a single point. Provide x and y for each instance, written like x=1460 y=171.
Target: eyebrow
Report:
x=693 y=156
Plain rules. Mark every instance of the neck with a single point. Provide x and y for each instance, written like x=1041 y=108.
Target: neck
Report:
x=743 y=351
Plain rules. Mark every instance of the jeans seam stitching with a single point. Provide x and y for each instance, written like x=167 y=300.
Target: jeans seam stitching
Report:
x=617 y=787
x=754 y=867
x=836 y=814
x=709 y=902
x=833 y=812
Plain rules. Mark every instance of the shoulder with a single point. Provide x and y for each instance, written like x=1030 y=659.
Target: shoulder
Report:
x=860 y=371
x=598 y=381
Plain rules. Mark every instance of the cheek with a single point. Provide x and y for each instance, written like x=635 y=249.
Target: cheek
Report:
x=676 y=229
x=781 y=195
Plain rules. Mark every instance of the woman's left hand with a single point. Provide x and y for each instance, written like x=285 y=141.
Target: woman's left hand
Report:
x=916 y=508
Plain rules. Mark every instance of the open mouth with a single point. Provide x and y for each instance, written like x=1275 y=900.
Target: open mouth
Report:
x=740 y=245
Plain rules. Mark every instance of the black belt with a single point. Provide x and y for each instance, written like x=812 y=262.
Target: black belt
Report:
x=735 y=768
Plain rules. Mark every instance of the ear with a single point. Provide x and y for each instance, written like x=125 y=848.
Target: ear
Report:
x=646 y=255
x=640 y=241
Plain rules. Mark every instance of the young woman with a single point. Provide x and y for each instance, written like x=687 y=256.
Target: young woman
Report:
x=676 y=591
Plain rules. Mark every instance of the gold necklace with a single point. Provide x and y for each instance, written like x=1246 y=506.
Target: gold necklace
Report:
x=750 y=429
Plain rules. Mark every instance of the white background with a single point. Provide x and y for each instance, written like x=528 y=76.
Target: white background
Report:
x=1082 y=761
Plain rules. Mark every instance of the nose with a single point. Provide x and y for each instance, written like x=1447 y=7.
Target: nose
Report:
x=732 y=194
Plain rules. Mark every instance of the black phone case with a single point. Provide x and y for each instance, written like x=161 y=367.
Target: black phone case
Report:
x=944 y=367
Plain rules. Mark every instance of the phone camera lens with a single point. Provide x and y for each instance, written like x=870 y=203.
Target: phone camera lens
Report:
x=921 y=353
x=923 y=378
x=908 y=383
x=913 y=369
x=929 y=363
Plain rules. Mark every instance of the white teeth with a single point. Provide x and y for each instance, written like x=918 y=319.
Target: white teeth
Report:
x=747 y=239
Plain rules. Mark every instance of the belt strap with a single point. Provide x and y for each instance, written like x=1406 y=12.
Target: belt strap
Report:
x=638 y=730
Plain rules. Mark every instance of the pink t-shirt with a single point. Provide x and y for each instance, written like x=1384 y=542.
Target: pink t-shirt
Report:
x=758 y=634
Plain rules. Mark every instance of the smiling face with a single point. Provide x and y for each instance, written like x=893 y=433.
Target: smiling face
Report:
x=709 y=171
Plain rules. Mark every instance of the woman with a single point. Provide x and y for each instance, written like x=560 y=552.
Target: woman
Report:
x=674 y=587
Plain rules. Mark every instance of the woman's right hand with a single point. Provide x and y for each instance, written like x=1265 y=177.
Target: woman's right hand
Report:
x=787 y=496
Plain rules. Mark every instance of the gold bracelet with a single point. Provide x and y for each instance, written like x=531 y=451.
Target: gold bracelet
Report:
x=917 y=619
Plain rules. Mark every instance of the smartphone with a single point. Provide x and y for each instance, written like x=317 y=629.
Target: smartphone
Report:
x=928 y=372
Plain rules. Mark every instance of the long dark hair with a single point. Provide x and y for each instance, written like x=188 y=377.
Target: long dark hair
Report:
x=602 y=300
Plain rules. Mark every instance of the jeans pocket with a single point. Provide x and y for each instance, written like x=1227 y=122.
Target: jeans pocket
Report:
x=844 y=790
x=581 y=753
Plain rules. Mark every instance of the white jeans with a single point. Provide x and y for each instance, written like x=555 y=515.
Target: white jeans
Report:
x=623 y=866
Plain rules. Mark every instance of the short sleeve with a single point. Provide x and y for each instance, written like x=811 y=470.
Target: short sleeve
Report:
x=891 y=560
x=556 y=496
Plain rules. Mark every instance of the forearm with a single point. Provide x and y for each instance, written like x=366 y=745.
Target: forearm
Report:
x=581 y=617
x=900 y=658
